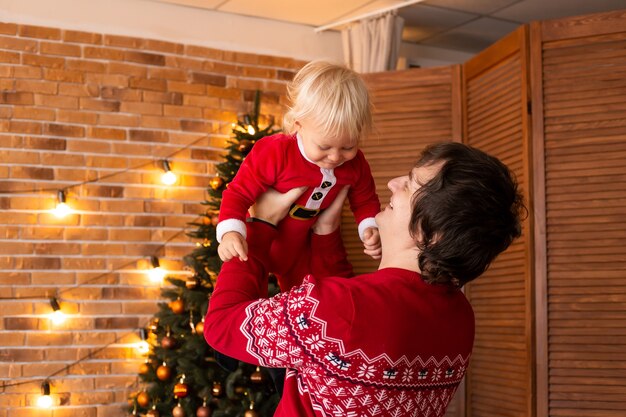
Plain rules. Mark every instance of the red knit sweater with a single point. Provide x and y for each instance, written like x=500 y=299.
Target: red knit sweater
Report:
x=379 y=344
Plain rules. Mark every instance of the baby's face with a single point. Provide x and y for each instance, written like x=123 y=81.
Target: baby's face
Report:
x=325 y=152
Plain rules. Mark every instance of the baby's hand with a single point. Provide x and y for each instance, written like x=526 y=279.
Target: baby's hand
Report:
x=233 y=245
x=372 y=242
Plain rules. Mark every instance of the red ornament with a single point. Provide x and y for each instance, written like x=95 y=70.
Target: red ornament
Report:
x=200 y=327
x=181 y=389
x=217 y=390
x=153 y=413
x=203 y=411
x=168 y=342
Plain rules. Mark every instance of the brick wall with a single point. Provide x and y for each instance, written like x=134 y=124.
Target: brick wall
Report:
x=75 y=106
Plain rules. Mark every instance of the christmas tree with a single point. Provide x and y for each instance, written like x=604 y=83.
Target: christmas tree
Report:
x=181 y=376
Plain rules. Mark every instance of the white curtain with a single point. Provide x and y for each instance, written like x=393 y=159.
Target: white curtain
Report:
x=372 y=45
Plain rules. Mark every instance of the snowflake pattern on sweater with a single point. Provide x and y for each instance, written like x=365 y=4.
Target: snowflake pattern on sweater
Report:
x=285 y=332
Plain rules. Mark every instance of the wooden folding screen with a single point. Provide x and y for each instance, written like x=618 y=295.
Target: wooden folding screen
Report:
x=496 y=101
x=412 y=109
x=579 y=74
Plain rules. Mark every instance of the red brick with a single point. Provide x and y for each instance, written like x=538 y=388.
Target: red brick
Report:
x=195 y=126
x=144 y=58
x=8 y=28
x=42 y=61
x=141 y=108
x=201 y=101
x=188 y=88
x=32 y=173
x=12 y=97
x=83 y=65
x=217 y=114
x=127 y=69
x=204 y=52
x=99 y=105
x=81 y=117
x=166 y=98
x=168 y=74
x=82 y=37
x=79 y=90
x=186 y=64
x=32 y=128
x=103 y=53
x=114 y=80
x=43 y=87
x=222 y=68
x=39 y=32
x=18 y=44
x=106 y=133
x=10 y=57
x=149 y=84
x=63 y=75
x=211 y=79
x=119 y=120
x=35 y=113
x=148 y=135
x=120 y=93
x=159 y=122
x=64 y=130
x=63 y=102
x=45 y=143
x=162 y=46
x=123 y=41
x=182 y=111
x=64 y=49
x=227 y=93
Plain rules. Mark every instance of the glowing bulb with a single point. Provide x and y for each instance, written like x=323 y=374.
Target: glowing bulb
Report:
x=45 y=400
x=57 y=316
x=143 y=346
x=251 y=130
x=157 y=273
x=168 y=177
x=62 y=209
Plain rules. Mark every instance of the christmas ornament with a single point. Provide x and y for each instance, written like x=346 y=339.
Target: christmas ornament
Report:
x=200 y=327
x=177 y=306
x=153 y=412
x=251 y=413
x=168 y=342
x=144 y=368
x=164 y=372
x=203 y=411
x=178 y=411
x=154 y=325
x=245 y=146
x=143 y=399
x=216 y=183
x=217 y=390
x=192 y=283
x=181 y=389
x=257 y=376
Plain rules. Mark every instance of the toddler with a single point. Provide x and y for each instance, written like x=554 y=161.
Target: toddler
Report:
x=330 y=111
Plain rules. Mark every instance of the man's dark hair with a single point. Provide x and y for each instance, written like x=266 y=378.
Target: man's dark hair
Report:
x=466 y=215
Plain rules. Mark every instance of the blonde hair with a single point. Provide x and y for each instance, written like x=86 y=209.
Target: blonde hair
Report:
x=333 y=97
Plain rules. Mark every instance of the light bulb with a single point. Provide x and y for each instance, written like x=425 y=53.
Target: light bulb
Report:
x=168 y=177
x=143 y=346
x=62 y=209
x=251 y=130
x=45 y=400
x=157 y=273
x=57 y=316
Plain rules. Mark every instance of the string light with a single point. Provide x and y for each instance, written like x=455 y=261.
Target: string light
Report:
x=168 y=177
x=143 y=347
x=45 y=400
x=57 y=316
x=62 y=209
x=251 y=130
x=157 y=273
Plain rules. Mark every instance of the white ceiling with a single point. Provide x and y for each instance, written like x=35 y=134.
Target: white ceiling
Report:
x=463 y=25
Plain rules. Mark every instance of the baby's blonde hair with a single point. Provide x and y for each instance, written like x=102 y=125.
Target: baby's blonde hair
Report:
x=333 y=97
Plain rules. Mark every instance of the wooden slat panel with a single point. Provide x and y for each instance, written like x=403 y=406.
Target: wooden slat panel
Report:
x=496 y=122
x=584 y=68
x=412 y=109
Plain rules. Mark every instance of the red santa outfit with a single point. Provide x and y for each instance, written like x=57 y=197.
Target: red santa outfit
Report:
x=279 y=161
x=379 y=344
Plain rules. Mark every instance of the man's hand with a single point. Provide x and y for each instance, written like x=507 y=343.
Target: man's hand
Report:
x=233 y=245
x=272 y=206
x=328 y=221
